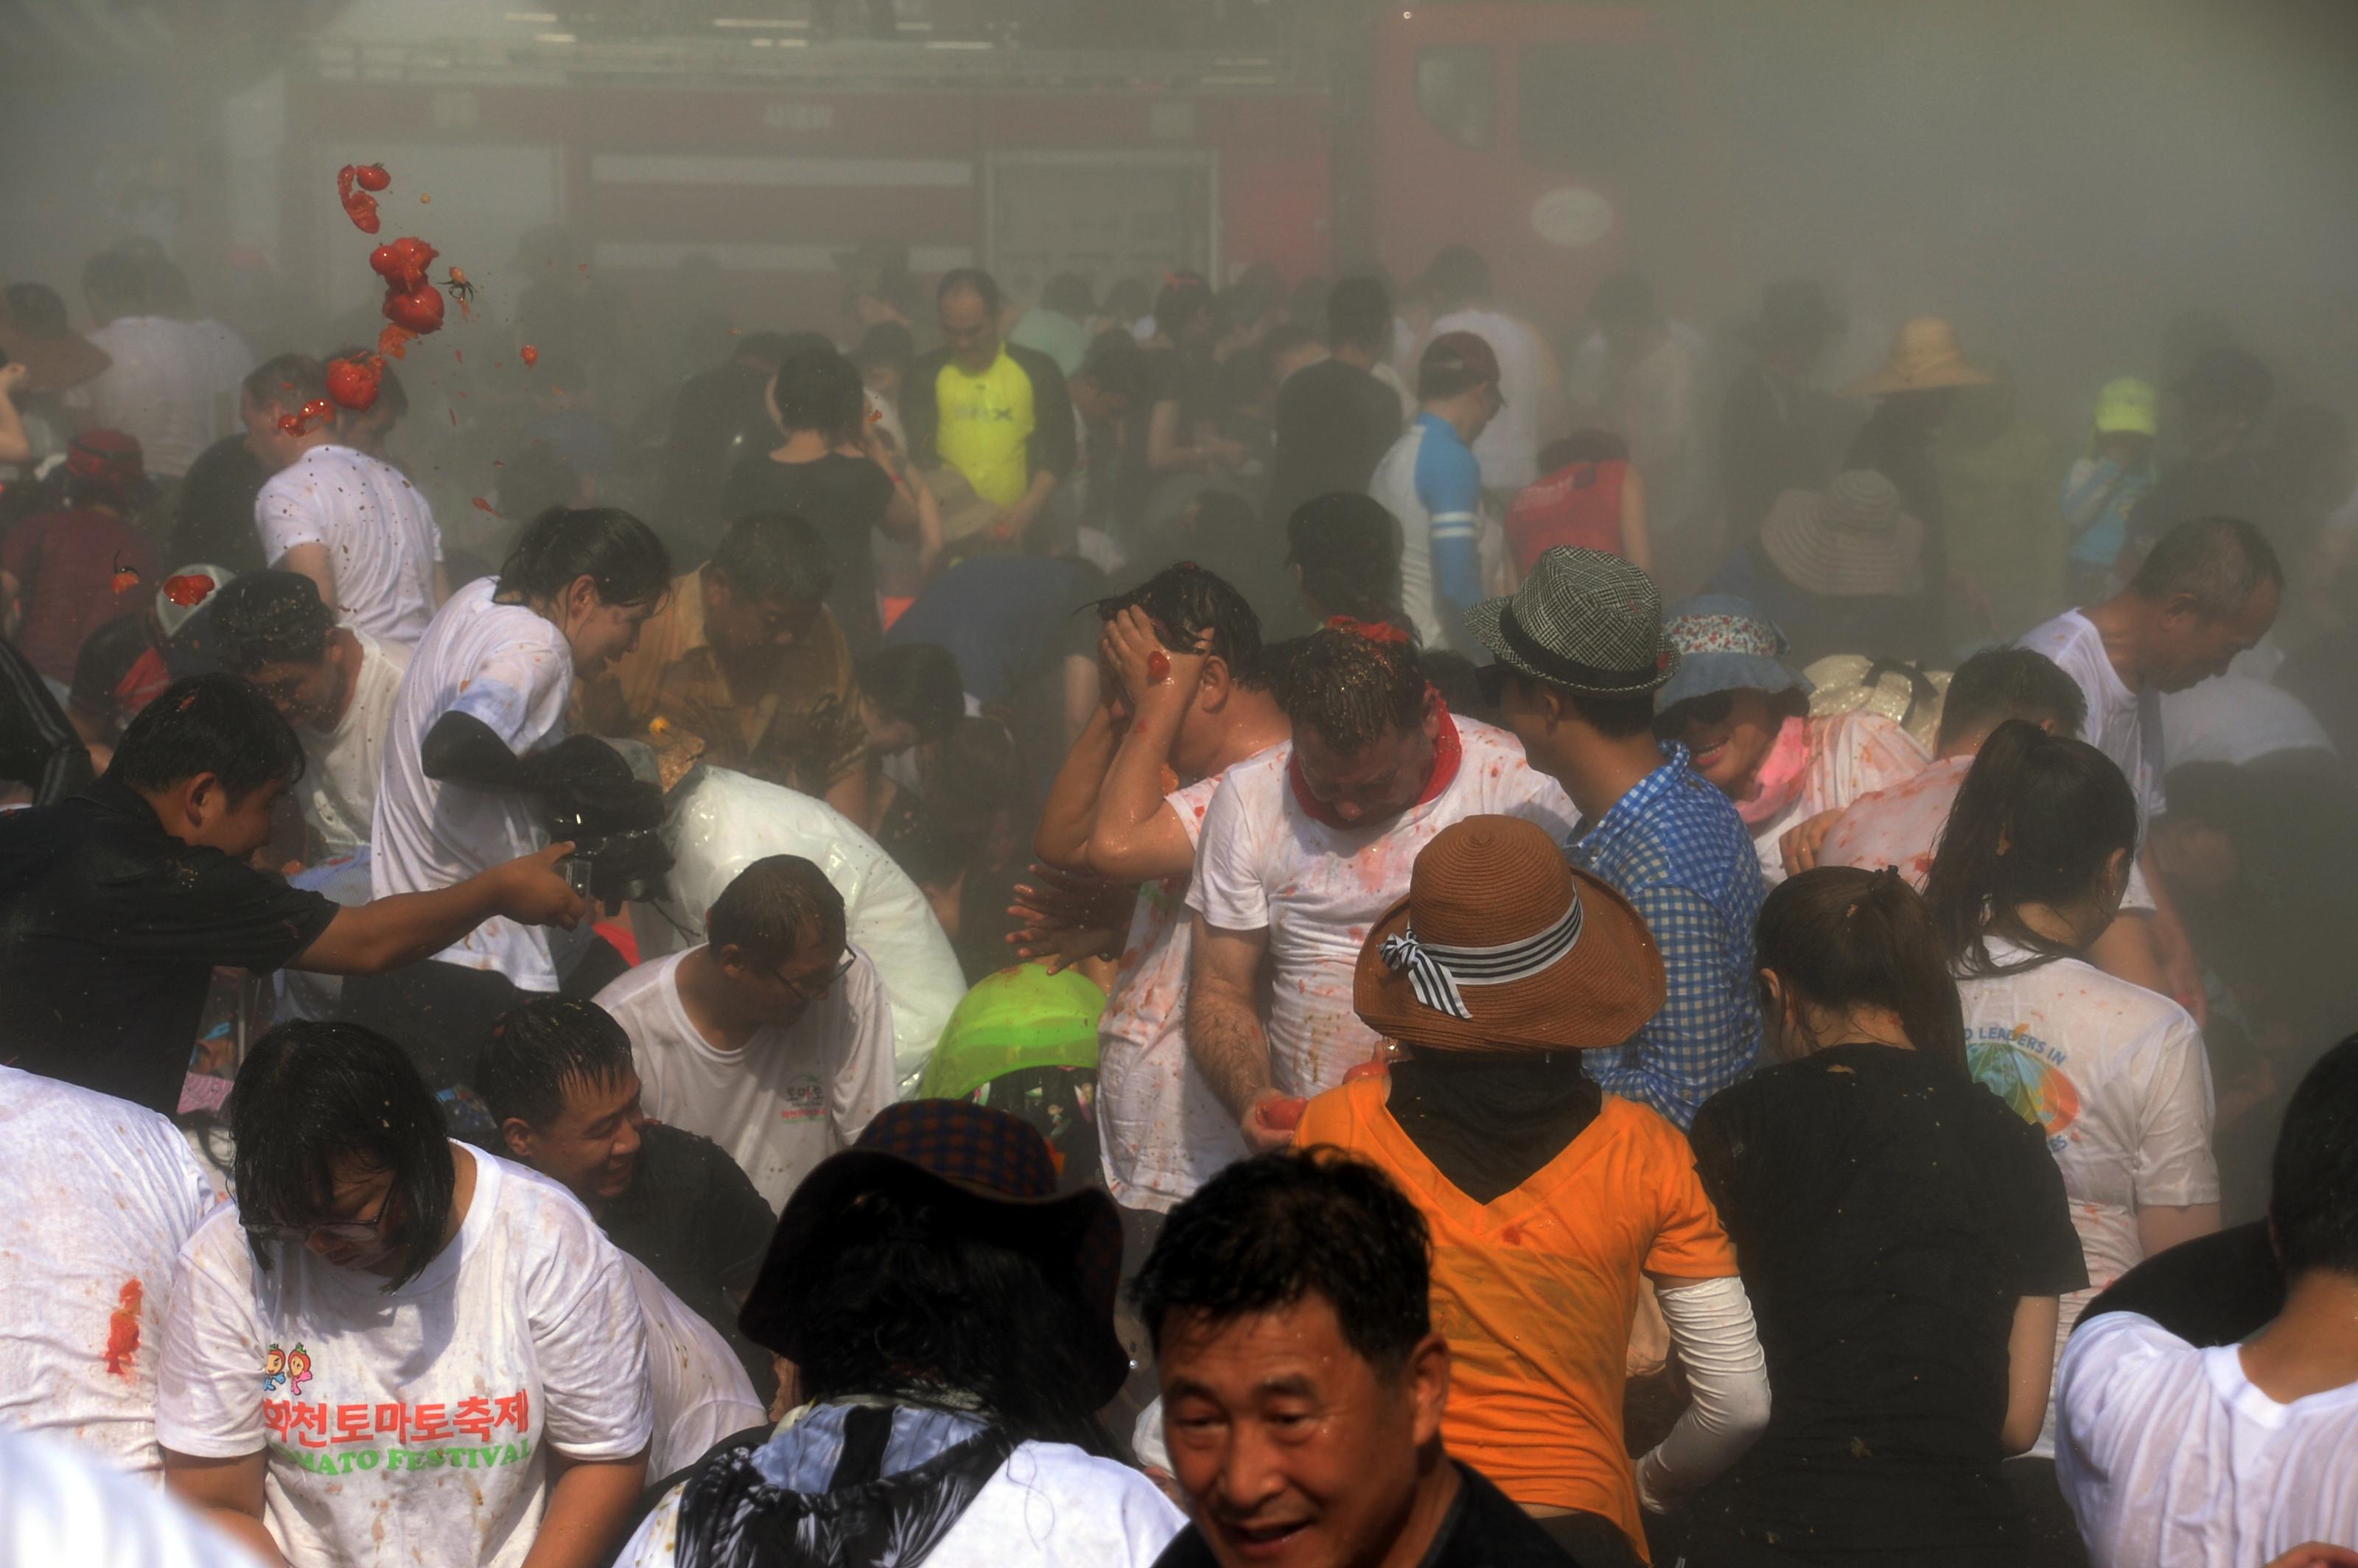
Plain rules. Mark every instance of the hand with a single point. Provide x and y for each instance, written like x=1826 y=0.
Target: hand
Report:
x=1268 y=1121
x=12 y=376
x=1013 y=524
x=1800 y=844
x=533 y=892
x=1061 y=948
x=2317 y=1555
x=1129 y=645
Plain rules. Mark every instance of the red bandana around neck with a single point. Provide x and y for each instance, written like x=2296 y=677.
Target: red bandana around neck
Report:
x=1448 y=751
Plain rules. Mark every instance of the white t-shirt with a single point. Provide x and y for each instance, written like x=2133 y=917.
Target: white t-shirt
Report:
x=411 y=1425
x=2118 y=1078
x=1050 y=1505
x=2173 y=1459
x=1161 y=1132
x=168 y=388
x=96 y=1197
x=379 y=533
x=1509 y=449
x=2124 y=725
x=339 y=787
x=789 y=1098
x=1851 y=755
x=718 y=822
x=1263 y=862
x=700 y=1390
x=59 y=1505
x=505 y=666
x=2237 y=719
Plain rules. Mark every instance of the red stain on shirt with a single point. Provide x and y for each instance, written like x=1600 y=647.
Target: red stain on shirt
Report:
x=123 y=1329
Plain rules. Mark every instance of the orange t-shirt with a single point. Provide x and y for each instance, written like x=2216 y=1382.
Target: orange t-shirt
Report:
x=1535 y=1291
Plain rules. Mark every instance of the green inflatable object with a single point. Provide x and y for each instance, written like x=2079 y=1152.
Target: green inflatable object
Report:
x=1020 y=1017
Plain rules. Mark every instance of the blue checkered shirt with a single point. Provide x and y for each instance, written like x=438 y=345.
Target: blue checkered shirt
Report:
x=1675 y=849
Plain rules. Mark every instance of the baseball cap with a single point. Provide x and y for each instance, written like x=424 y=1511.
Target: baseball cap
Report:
x=1454 y=362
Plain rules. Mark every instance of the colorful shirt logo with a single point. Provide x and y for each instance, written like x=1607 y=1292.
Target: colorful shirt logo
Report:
x=292 y=1368
x=2020 y=1069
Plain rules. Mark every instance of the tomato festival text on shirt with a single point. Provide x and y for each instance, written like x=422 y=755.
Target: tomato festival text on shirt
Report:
x=320 y=1426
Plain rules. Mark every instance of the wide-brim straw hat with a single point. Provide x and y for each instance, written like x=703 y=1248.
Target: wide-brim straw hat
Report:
x=1924 y=358
x=1501 y=943
x=1851 y=540
x=53 y=362
x=999 y=1177
x=1583 y=620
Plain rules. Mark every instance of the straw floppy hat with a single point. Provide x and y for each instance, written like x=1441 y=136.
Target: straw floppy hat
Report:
x=1500 y=943
x=1924 y=358
x=1852 y=539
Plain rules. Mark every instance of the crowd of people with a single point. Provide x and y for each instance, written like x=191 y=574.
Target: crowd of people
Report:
x=1291 y=922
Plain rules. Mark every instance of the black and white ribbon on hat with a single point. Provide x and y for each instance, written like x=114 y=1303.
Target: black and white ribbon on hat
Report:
x=1435 y=972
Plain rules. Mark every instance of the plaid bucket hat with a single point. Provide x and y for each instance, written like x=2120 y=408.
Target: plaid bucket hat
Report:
x=1585 y=620
x=998 y=1172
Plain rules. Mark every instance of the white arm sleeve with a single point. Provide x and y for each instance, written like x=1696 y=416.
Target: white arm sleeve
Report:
x=1710 y=1327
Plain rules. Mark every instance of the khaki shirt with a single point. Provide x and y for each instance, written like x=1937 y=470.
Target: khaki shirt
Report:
x=803 y=730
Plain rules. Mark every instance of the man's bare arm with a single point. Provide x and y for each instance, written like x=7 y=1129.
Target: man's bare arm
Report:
x=1225 y=1039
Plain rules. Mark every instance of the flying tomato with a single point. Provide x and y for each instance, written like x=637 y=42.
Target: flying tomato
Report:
x=372 y=176
x=353 y=383
x=358 y=205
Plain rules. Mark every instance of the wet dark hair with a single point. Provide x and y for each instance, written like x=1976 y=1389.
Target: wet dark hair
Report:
x=916 y=682
x=1348 y=547
x=1458 y=275
x=284 y=382
x=774 y=554
x=1067 y=294
x=1183 y=296
x=1185 y=601
x=2036 y=821
x=536 y=1051
x=971 y=280
x=1360 y=314
x=772 y=907
x=2000 y=684
x=614 y=549
x=390 y=394
x=1838 y=937
x=2220 y=562
x=1351 y=690
x=312 y=1095
x=818 y=389
x=1270 y=1231
x=2313 y=1184
x=213 y=724
x=1588 y=446
x=269 y=618
x=898 y=1295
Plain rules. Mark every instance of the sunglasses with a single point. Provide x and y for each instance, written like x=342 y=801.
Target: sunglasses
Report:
x=812 y=990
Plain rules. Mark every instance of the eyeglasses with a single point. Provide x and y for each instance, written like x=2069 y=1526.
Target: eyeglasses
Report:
x=812 y=990
x=352 y=1230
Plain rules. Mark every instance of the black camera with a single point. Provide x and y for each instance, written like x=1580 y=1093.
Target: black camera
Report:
x=614 y=821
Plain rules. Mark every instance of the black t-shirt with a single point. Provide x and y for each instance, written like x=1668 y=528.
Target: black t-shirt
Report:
x=1482 y=1530
x=843 y=498
x=214 y=517
x=1334 y=422
x=699 y=1225
x=37 y=747
x=1887 y=1214
x=110 y=929
x=2215 y=1289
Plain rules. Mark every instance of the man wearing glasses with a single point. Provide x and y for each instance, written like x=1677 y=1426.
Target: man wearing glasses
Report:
x=775 y=1038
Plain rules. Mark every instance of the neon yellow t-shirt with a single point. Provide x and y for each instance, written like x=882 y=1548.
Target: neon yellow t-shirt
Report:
x=986 y=426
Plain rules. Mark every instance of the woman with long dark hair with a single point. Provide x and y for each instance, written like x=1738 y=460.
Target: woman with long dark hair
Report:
x=948 y=1318
x=834 y=473
x=2029 y=871
x=393 y=1345
x=1903 y=1238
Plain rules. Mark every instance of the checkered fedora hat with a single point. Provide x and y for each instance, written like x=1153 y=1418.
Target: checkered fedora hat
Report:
x=996 y=1171
x=1584 y=620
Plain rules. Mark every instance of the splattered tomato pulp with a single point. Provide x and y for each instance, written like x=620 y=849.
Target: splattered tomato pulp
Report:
x=354 y=382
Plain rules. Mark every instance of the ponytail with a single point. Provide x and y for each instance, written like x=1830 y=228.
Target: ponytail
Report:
x=2037 y=820
x=1838 y=937
x=614 y=549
